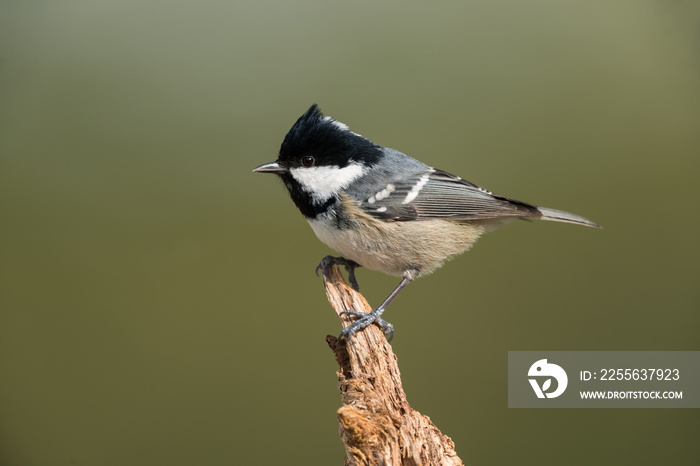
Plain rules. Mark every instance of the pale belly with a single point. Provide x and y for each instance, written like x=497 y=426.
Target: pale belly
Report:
x=407 y=249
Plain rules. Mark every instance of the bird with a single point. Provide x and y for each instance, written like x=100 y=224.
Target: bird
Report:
x=386 y=211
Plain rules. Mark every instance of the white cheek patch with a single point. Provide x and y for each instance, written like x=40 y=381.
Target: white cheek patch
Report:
x=325 y=182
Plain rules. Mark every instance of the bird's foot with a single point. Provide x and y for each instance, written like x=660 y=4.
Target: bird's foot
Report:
x=349 y=265
x=365 y=320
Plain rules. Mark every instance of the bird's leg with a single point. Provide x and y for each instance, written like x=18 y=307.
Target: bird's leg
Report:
x=349 y=265
x=368 y=318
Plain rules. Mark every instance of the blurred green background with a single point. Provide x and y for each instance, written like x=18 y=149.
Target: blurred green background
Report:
x=157 y=299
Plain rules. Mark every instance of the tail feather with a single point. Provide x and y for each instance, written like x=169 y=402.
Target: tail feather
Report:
x=561 y=216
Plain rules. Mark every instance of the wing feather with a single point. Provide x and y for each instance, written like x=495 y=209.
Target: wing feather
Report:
x=440 y=195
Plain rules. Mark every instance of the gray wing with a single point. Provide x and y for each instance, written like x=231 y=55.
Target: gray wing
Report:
x=436 y=194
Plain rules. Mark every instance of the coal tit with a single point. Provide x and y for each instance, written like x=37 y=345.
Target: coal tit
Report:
x=384 y=210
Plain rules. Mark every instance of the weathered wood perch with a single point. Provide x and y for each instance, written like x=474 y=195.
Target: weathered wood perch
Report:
x=377 y=425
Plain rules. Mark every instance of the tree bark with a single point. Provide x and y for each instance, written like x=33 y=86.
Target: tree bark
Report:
x=377 y=425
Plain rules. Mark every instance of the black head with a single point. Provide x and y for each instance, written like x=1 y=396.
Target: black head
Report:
x=318 y=158
x=329 y=142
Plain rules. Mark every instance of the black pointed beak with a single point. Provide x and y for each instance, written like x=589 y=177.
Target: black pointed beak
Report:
x=272 y=167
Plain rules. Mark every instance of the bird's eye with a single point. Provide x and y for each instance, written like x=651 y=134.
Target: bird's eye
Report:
x=308 y=161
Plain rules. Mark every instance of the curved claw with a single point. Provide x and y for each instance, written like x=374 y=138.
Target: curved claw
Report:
x=324 y=264
x=349 y=265
x=387 y=329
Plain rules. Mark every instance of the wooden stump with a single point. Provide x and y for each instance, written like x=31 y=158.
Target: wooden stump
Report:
x=377 y=425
